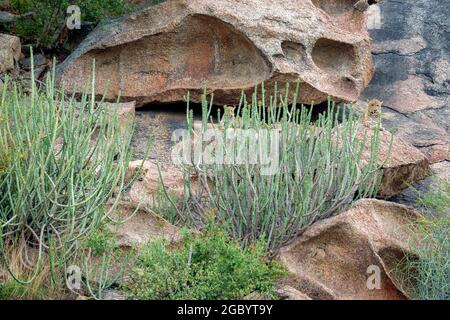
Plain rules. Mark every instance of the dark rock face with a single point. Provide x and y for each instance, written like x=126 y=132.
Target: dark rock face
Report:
x=411 y=48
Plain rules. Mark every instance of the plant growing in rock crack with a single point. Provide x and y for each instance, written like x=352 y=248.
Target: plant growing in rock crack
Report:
x=319 y=171
x=60 y=164
x=425 y=275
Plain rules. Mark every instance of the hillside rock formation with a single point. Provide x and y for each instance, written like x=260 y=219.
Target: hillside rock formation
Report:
x=352 y=255
x=412 y=61
x=159 y=53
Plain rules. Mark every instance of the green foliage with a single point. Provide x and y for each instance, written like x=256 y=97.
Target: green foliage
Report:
x=48 y=23
x=61 y=163
x=13 y=290
x=318 y=169
x=204 y=267
x=426 y=273
x=437 y=201
x=101 y=241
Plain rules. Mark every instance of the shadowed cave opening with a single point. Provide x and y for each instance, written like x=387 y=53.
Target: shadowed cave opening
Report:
x=333 y=56
x=158 y=122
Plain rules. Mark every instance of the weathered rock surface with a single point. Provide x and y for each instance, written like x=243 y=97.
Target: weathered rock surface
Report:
x=158 y=124
x=113 y=295
x=10 y=52
x=286 y=292
x=142 y=227
x=412 y=195
x=412 y=61
x=335 y=258
x=161 y=52
x=143 y=190
x=125 y=113
x=402 y=163
x=442 y=170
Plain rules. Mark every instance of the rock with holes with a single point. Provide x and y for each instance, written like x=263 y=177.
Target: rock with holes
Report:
x=157 y=54
x=352 y=255
x=10 y=52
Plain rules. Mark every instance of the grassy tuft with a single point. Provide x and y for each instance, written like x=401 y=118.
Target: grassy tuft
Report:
x=425 y=274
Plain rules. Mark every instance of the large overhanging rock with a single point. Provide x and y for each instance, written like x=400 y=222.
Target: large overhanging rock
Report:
x=160 y=53
x=353 y=255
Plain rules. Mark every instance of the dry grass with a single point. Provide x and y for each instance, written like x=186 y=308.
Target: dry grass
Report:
x=22 y=262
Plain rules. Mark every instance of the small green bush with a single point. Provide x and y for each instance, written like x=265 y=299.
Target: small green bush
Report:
x=426 y=273
x=205 y=267
x=101 y=241
x=47 y=24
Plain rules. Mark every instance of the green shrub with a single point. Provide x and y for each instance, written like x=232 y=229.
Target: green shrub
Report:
x=48 y=23
x=101 y=241
x=204 y=267
x=61 y=162
x=425 y=275
x=437 y=201
x=320 y=170
x=15 y=290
